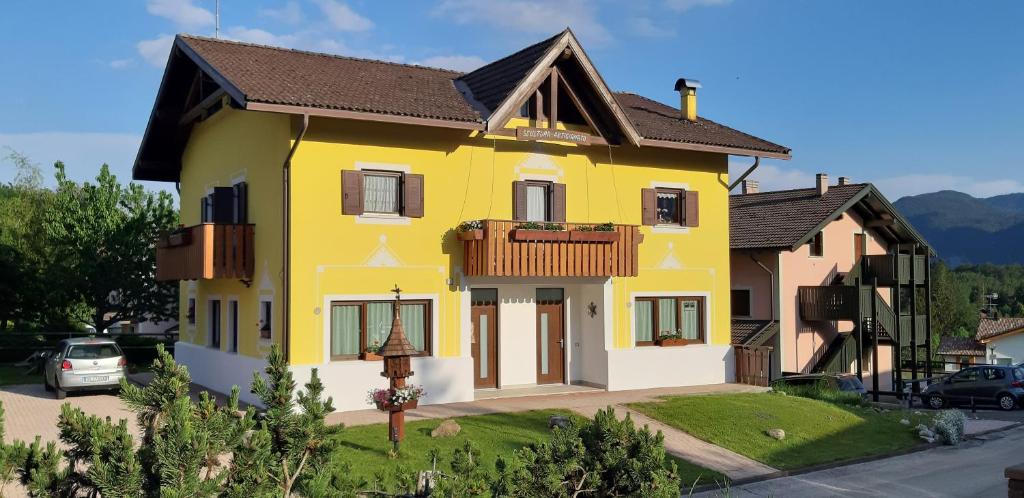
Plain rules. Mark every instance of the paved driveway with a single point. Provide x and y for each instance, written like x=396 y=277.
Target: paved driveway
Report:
x=30 y=410
x=973 y=469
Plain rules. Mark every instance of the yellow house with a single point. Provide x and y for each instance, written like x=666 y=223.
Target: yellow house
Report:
x=542 y=228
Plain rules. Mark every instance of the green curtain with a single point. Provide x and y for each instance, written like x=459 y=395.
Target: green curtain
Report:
x=644 y=311
x=691 y=319
x=345 y=330
x=667 y=316
x=378 y=322
x=414 y=323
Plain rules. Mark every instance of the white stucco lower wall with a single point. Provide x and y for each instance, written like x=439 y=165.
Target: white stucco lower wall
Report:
x=1008 y=349
x=648 y=367
x=445 y=380
x=218 y=370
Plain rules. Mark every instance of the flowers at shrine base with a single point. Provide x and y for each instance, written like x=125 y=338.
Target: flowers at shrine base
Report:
x=389 y=399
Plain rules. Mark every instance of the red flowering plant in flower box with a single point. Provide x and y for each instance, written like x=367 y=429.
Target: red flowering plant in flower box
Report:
x=395 y=399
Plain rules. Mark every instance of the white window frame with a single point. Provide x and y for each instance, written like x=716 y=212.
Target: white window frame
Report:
x=384 y=218
x=684 y=187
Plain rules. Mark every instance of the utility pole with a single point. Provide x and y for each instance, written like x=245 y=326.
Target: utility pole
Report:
x=216 y=26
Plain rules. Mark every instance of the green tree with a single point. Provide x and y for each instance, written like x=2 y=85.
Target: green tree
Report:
x=954 y=312
x=103 y=237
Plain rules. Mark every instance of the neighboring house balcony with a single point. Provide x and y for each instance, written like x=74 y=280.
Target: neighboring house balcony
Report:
x=206 y=251
x=893 y=269
x=845 y=302
x=523 y=249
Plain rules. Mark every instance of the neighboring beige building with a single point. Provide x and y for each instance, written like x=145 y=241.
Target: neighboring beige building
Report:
x=803 y=265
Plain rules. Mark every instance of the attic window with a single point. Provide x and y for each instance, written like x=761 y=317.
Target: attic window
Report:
x=817 y=245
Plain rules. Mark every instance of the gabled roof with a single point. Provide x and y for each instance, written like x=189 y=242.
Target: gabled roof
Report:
x=990 y=328
x=960 y=346
x=752 y=332
x=786 y=219
x=272 y=79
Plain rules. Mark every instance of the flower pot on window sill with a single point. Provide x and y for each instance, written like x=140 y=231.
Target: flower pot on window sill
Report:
x=521 y=234
x=581 y=236
x=672 y=342
x=368 y=356
x=388 y=407
x=477 y=234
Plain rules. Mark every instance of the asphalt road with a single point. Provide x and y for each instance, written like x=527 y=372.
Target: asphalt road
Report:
x=973 y=469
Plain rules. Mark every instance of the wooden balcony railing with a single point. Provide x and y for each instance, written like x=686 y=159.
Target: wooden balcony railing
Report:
x=498 y=250
x=206 y=251
x=887 y=267
x=828 y=303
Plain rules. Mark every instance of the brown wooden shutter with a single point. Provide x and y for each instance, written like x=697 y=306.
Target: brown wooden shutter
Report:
x=412 y=196
x=519 y=201
x=351 y=192
x=558 y=202
x=649 y=206
x=692 y=209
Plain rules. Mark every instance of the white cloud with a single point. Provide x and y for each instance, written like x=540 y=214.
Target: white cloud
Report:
x=685 y=5
x=770 y=176
x=463 y=63
x=305 y=40
x=121 y=63
x=81 y=152
x=644 y=26
x=260 y=36
x=904 y=185
x=342 y=17
x=289 y=13
x=529 y=16
x=184 y=13
x=155 y=51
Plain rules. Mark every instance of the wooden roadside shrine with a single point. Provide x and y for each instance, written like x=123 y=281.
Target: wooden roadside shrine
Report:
x=396 y=351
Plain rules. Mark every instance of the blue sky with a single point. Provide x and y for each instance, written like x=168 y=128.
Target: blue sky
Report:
x=915 y=96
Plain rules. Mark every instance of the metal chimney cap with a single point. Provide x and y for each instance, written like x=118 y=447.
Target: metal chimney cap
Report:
x=687 y=83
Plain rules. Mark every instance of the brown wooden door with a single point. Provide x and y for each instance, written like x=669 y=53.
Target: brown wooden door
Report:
x=550 y=336
x=859 y=246
x=484 y=342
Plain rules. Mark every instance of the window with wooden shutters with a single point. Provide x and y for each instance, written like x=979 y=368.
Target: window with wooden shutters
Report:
x=538 y=201
x=668 y=207
x=412 y=195
x=223 y=205
x=351 y=192
x=382 y=192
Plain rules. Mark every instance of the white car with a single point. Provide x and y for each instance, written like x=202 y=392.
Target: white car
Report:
x=84 y=364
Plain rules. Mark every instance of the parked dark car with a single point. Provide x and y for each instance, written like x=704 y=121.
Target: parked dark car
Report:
x=1002 y=385
x=841 y=382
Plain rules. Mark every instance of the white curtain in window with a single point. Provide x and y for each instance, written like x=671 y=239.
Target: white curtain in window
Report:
x=414 y=324
x=691 y=320
x=667 y=316
x=378 y=322
x=536 y=203
x=381 y=194
x=344 y=330
x=644 y=320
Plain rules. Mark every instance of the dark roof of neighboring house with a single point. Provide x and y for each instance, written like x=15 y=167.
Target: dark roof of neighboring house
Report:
x=257 y=75
x=960 y=346
x=785 y=219
x=658 y=121
x=752 y=332
x=989 y=328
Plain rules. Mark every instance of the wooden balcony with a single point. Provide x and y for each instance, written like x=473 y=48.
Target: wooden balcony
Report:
x=828 y=303
x=502 y=250
x=206 y=251
x=892 y=268
x=922 y=330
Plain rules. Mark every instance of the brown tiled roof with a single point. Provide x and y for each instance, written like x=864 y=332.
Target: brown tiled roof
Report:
x=960 y=346
x=308 y=79
x=780 y=219
x=658 y=121
x=989 y=328
x=492 y=83
x=746 y=331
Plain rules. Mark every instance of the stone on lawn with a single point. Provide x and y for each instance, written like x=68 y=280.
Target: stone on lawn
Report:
x=921 y=427
x=776 y=434
x=928 y=440
x=447 y=428
x=559 y=421
x=926 y=433
x=904 y=421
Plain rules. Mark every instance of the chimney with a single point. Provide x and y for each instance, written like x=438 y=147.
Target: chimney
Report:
x=749 y=186
x=822 y=180
x=844 y=180
x=688 y=98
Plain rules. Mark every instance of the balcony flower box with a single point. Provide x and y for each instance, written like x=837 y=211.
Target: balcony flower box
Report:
x=523 y=234
x=593 y=236
x=385 y=406
x=368 y=356
x=672 y=341
x=179 y=238
x=477 y=234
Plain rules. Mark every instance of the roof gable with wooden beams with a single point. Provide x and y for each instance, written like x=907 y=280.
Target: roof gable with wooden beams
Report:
x=560 y=63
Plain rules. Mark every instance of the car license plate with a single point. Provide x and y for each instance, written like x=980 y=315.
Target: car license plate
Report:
x=94 y=378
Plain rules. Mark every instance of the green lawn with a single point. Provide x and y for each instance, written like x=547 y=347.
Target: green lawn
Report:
x=816 y=432
x=11 y=375
x=365 y=447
